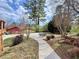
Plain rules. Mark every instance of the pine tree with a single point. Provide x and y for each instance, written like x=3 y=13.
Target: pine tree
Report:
x=37 y=14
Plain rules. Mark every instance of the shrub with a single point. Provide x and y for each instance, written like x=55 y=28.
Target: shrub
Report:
x=76 y=42
x=77 y=34
x=17 y=40
x=54 y=29
x=50 y=37
x=68 y=40
x=74 y=51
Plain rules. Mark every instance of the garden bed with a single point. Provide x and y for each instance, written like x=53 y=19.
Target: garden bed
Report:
x=28 y=49
x=61 y=49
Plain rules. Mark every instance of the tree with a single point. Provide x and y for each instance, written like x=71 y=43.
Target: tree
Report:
x=62 y=18
x=65 y=13
x=68 y=11
x=37 y=14
x=26 y=17
x=75 y=5
x=52 y=28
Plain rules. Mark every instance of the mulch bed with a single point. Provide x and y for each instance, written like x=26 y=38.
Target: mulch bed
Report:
x=65 y=47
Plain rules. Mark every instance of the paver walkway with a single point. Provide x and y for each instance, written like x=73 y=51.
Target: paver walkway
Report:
x=45 y=51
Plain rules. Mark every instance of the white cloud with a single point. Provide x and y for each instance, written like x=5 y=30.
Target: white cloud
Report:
x=10 y=15
x=50 y=10
x=5 y=6
x=20 y=10
x=51 y=6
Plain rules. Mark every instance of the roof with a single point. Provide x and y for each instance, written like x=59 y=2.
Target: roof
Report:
x=13 y=28
x=21 y=26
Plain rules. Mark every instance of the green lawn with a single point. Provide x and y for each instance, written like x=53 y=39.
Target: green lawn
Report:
x=8 y=42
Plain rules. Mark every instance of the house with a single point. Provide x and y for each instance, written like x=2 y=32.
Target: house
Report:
x=20 y=28
x=14 y=30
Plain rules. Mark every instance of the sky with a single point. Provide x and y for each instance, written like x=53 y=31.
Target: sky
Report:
x=13 y=10
x=51 y=8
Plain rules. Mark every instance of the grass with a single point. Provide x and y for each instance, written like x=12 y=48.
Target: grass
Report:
x=28 y=49
x=75 y=29
x=7 y=42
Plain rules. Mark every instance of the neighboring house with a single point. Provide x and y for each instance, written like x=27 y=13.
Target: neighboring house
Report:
x=14 y=30
x=21 y=28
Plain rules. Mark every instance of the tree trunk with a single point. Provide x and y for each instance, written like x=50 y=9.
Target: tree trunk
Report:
x=37 y=24
x=28 y=32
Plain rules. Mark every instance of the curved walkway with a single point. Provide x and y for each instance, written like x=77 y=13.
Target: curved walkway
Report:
x=45 y=51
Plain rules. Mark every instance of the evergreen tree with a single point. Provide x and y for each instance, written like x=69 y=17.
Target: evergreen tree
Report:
x=37 y=14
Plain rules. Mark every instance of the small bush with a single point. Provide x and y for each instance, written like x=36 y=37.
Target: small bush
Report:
x=52 y=36
x=74 y=52
x=77 y=34
x=71 y=41
x=76 y=42
x=49 y=37
x=17 y=40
